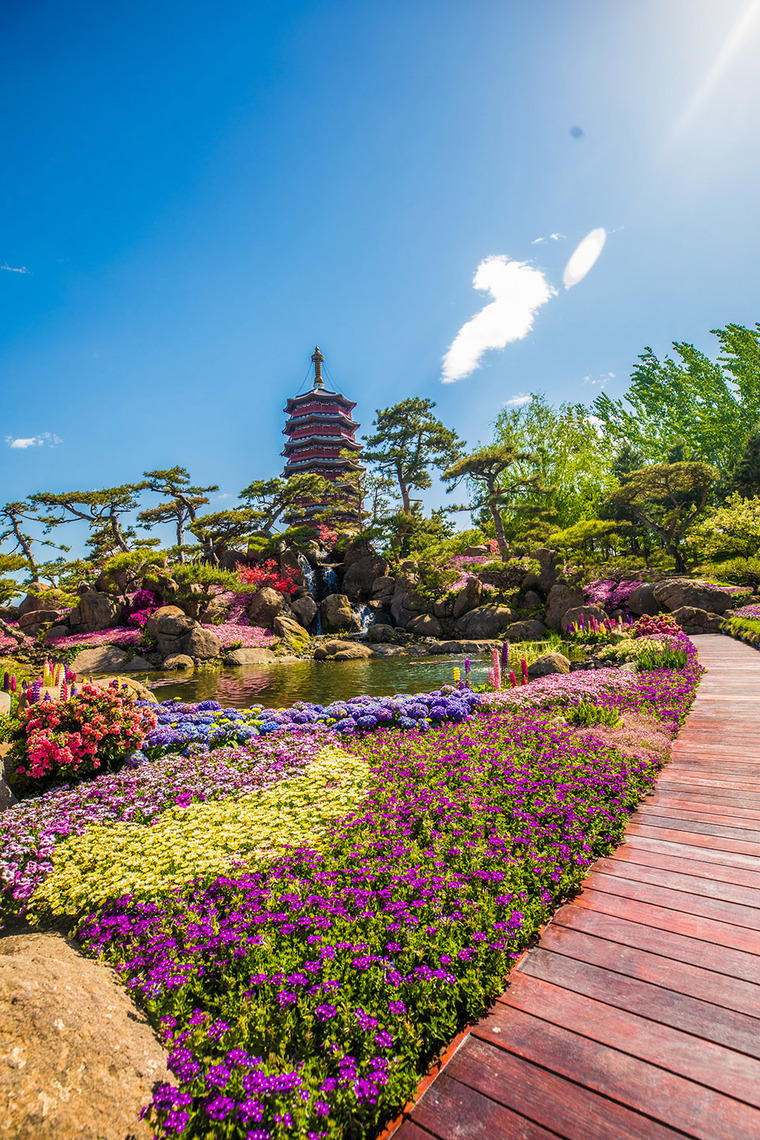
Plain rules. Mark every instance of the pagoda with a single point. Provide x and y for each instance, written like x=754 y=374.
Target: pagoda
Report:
x=319 y=428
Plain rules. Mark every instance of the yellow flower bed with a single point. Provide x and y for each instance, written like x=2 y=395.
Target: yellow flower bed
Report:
x=200 y=839
x=630 y=648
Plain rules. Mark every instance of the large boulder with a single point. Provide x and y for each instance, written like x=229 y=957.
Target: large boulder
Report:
x=425 y=626
x=549 y=663
x=578 y=613
x=178 y=662
x=476 y=552
x=643 y=601
x=33 y=621
x=526 y=631
x=52 y=599
x=694 y=620
x=407 y=603
x=381 y=632
x=468 y=598
x=95 y=611
x=201 y=643
x=561 y=599
x=78 y=1059
x=168 y=621
x=455 y=648
x=292 y=632
x=383 y=588
x=342 y=651
x=485 y=621
x=337 y=614
x=248 y=655
x=264 y=606
x=547 y=573
x=305 y=609
x=443 y=608
x=361 y=575
x=107 y=659
x=677 y=592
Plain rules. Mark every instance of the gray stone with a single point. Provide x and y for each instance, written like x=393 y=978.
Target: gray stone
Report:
x=526 y=631
x=471 y=648
x=248 y=655
x=407 y=603
x=425 y=626
x=168 y=621
x=443 y=608
x=573 y=616
x=57 y=631
x=292 y=632
x=485 y=621
x=337 y=614
x=547 y=561
x=561 y=599
x=383 y=587
x=78 y=1059
x=388 y=651
x=136 y=664
x=468 y=598
x=96 y=611
x=643 y=601
x=305 y=609
x=99 y=659
x=264 y=606
x=201 y=643
x=675 y=593
x=549 y=663
x=477 y=552
x=179 y=661
x=694 y=620
x=35 y=620
x=361 y=575
x=381 y=632
x=532 y=600
x=214 y=612
x=336 y=650
x=192 y=599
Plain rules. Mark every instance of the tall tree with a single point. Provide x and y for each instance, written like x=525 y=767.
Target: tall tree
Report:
x=181 y=505
x=272 y=499
x=567 y=450
x=745 y=477
x=103 y=511
x=706 y=407
x=9 y=588
x=14 y=518
x=496 y=475
x=409 y=441
x=668 y=498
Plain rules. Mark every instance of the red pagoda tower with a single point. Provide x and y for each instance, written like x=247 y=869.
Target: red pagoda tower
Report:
x=319 y=427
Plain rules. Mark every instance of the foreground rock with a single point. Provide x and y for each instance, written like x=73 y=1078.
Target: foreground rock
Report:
x=342 y=651
x=529 y=630
x=549 y=663
x=78 y=1060
x=484 y=622
x=694 y=620
x=248 y=655
x=337 y=614
x=107 y=659
x=679 y=592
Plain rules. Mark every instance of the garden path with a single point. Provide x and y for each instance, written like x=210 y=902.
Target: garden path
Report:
x=638 y=1012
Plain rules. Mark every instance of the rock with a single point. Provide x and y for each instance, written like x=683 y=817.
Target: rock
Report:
x=468 y=598
x=136 y=664
x=381 y=632
x=477 y=552
x=425 y=626
x=443 y=608
x=168 y=621
x=694 y=620
x=549 y=663
x=547 y=561
x=642 y=600
x=407 y=603
x=526 y=631
x=675 y=593
x=33 y=621
x=248 y=655
x=577 y=612
x=99 y=659
x=361 y=575
x=337 y=614
x=485 y=621
x=56 y=631
x=96 y=611
x=213 y=612
x=292 y=632
x=356 y=550
x=137 y=687
x=179 y=661
x=264 y=606
x=191 y=600
x=201 y=643
x=336 y=650
x=471 y=648
x=388 y=651
x=32 y=601
x=305 y=609
x=532 y=600
x=78 y=1059
x=561 y=599
x=383 y=587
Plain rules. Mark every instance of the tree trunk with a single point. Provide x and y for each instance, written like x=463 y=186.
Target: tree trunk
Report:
x=116 y=532
x=406 y=502
x=19 y=637
x=501 y=537
x=26 y=547
x=180 y=539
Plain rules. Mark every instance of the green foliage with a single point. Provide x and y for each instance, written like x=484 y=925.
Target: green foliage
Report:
x=743 y=629
x=409 y=441
x=102 y=510
x=496 y=475
x=745 y=478
x=586 y=714
x=705 y=408
x=735 y=571
x=732 y=530
x=181 y=505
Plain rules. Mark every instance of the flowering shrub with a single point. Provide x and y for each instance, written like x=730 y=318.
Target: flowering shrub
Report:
x=748 y=613
x=139 y=608
x=126 y=638
x=62 y=741
x=660 y=625
x=610 y=593
x=268 y=574
x=327 y=535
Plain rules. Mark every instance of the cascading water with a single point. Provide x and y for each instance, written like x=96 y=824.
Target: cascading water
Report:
x=330 y=582
x=311 y=582
x=366 y=617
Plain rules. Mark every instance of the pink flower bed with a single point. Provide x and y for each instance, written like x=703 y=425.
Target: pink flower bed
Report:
x=121 y=635
x=251 y=636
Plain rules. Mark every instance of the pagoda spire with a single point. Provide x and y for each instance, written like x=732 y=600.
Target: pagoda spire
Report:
x=317 y=359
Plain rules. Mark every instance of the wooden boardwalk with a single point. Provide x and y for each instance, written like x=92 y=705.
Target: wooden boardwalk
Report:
x=638 y=1013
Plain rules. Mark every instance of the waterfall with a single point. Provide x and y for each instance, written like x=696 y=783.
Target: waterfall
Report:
x=366 y=617
x=309 y=575
x=330 y=582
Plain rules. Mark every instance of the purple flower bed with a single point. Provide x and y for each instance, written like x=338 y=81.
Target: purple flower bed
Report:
x=307 y=1000
x=610 y=593
x=748 y=613
x=229 y=633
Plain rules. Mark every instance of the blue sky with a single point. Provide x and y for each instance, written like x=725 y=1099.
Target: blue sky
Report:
x=198 y=193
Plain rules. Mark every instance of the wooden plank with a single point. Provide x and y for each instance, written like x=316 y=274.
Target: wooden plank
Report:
x=453 y=1110
x=673 y=1100
x=701 y=812
x=576 y=1112
x=705 y=886
x=681 y=977
x=718 y=872
x=696 y=827
x=662 y=940
x=692 y=851
x=733 y=1074
x=671 y=897
x=411 y=1131
x=701 y=1018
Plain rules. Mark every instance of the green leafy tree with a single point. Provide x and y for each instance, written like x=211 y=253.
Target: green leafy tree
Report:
x=706 y=408
x=14 y=520
x=496 y=475
x=745 y=478
x=566 y=449
x=730 y=531
x=271 y=500
x=181 y=505
x=103 y=511
x=221 y=531
x=668 y=498
x=409 y=441
x=9 y=589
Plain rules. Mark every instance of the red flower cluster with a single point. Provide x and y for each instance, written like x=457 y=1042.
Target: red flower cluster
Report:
x=661 y=625
x=61 y=741
x=268 y=574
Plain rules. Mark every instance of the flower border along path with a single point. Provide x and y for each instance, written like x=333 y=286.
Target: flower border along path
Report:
x=638 y=1013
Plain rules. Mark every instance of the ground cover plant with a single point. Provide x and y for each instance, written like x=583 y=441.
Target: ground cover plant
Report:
x=744 y=625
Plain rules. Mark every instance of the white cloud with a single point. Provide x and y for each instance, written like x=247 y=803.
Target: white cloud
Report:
x=584 y=257
x=518 y=291
x=597 y=424
x=600 y=380
x=551 y=237
x=518 y=401
x=21 y=443
x=15 y=269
